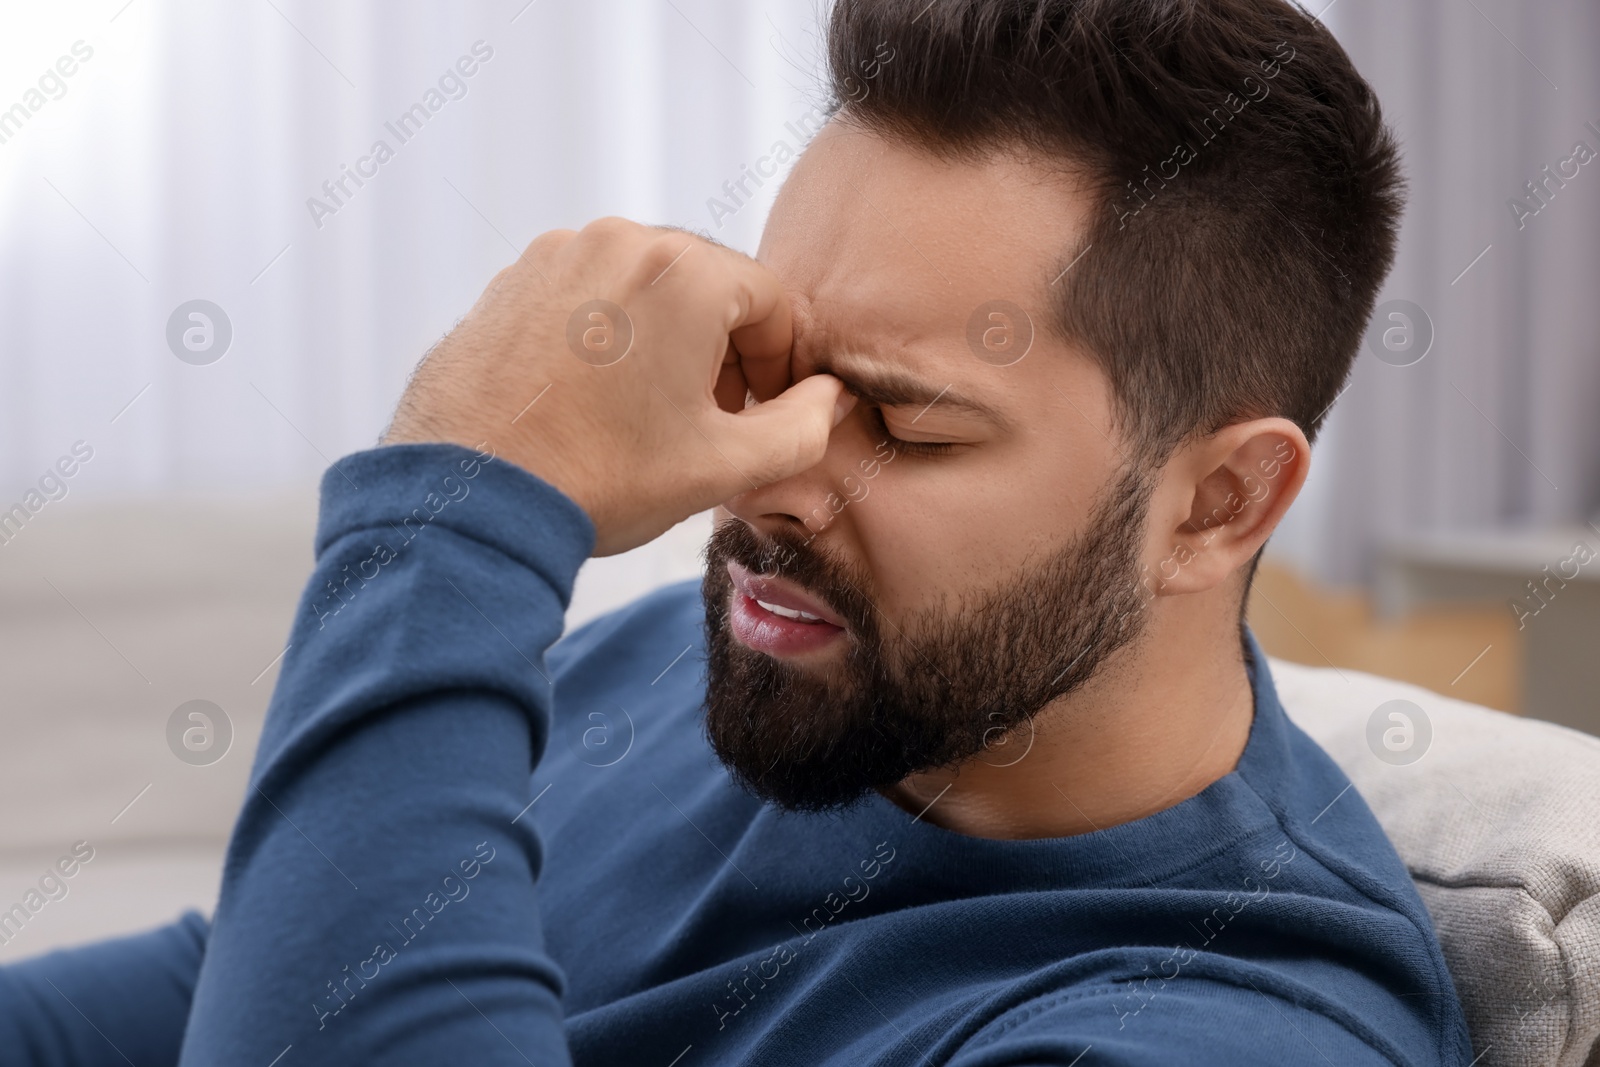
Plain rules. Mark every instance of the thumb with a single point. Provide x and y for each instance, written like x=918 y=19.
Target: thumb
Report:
x=789 y=433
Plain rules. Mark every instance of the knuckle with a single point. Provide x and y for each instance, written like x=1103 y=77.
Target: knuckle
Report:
x=608 y=229
x=549 y=243
x=536 y=258
x=664 y=252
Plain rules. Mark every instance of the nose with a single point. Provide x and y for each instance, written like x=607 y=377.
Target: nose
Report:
x=811 y=502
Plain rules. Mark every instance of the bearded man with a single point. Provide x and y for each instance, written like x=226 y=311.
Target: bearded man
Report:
x=961 y=753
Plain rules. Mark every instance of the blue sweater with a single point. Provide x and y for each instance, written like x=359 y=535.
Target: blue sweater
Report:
x=398 y=890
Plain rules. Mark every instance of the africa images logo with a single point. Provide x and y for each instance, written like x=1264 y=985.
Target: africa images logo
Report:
x=452 y=85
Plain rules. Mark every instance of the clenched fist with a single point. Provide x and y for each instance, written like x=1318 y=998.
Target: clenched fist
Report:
x=614 y=362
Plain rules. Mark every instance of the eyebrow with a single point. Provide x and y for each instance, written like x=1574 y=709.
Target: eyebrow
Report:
x=892 y=388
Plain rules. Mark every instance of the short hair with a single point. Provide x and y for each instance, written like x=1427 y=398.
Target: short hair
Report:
x=1247 y=191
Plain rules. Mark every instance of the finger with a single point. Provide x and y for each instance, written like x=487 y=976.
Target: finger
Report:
x=787 y=434
x=731 y=388
x=763 y=332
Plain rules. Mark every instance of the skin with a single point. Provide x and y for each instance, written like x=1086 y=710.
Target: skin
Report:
x=873 y=260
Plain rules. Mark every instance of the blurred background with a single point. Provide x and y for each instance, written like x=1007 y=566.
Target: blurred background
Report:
x=213 y=283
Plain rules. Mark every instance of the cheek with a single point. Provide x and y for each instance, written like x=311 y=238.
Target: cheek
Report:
x=926 y=533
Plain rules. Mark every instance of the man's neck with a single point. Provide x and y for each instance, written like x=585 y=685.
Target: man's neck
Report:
x=1163 y=719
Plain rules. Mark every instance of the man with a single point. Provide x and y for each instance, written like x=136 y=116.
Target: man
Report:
x=981 y=768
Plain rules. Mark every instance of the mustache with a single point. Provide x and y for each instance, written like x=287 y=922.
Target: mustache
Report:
x=785 y=554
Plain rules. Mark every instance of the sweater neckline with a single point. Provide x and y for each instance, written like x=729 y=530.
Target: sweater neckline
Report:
x=1179 y=836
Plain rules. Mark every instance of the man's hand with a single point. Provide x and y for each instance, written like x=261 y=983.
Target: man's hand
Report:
x=613 y=363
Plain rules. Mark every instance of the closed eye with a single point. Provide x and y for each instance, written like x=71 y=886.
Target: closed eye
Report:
x=914 y=448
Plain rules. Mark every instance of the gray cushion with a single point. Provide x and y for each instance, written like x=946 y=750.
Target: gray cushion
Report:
x=1498 y=821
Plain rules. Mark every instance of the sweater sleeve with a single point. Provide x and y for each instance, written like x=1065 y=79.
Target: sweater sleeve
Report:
x=1249 y=1020
x=378 y=902
x=102 y=1005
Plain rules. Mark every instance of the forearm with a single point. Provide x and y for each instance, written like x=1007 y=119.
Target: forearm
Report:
x=110 y=1003
x=379 y=899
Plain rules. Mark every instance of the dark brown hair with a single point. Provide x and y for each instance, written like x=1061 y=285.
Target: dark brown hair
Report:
x=1249 y=191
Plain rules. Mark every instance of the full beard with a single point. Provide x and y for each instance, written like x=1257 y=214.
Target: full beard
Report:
x=941 y=688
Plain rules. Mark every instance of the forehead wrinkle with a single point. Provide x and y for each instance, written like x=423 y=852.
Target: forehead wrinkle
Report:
x=894 y=387
x=817 y=343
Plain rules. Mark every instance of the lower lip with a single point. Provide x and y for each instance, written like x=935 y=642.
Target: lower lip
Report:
x=775 y=635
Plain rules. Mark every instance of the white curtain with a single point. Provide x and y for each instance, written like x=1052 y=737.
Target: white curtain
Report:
x=1497 y=425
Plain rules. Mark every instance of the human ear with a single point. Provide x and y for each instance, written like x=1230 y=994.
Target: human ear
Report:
x=1226 y=492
